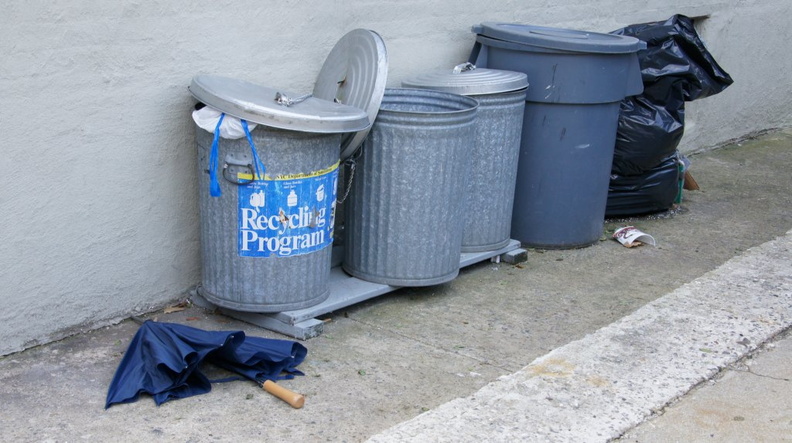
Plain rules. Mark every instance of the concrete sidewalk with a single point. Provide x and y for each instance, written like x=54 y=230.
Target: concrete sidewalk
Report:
x=413 y=363
x=750 y=401
x=596 y=388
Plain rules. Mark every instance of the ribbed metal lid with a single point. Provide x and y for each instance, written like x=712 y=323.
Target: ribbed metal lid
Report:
x=560 y=39
x=276 y=108
x=466 y=79
x=354 y=73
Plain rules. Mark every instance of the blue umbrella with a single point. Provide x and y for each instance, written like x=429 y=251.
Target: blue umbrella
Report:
x=163 y=360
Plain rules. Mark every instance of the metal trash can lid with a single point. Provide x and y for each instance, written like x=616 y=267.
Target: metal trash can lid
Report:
x=560 y=39
x=466 y=79
x=276 y=108
x=354 y=73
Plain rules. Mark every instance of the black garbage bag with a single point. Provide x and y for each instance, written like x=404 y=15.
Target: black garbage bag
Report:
x=675 y=67
x=647 y=134
x=652 y=191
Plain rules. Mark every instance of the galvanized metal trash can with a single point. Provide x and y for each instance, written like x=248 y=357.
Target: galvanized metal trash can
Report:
x=265 y=240
x=577 y=81
x=354 y=73
x=404 y=214
x=492 y=175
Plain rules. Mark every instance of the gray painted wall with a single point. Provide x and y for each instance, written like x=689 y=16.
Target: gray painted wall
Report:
x=98 y=211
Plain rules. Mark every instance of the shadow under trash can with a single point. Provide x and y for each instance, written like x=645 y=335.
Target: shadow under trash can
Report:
x=267 y=198
x=404 y=212
x=577 y=81
x=490 y=179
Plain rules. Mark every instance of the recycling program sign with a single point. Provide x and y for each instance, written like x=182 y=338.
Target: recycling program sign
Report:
x=286 y=216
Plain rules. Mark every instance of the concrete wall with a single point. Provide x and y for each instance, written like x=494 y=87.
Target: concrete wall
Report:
x=98 y=212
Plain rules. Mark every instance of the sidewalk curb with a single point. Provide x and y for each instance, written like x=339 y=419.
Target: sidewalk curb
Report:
x=597 y=388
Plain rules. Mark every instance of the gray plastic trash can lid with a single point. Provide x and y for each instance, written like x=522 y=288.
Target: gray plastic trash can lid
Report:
x=270 y=107
x=560 y=39
x=466 y=79
x=355 y=73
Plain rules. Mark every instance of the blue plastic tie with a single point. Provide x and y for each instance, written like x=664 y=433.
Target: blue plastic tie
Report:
x=214 y=185
x=257 y=165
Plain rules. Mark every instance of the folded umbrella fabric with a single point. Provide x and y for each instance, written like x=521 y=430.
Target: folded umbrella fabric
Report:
x=164 y=359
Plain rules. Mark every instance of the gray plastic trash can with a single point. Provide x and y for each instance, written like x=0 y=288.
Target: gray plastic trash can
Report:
x=404 y=212
x=577 y=81
x=266 y=243
x=493 y=167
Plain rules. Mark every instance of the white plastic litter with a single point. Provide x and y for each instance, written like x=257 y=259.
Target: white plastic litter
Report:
x=630 y=236
x=231 y=128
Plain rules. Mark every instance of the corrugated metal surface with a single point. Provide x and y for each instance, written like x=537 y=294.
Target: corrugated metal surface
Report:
x=260 y=284
x=404 y=216
x=355 y=73
x=493 y=172
x=273 y=107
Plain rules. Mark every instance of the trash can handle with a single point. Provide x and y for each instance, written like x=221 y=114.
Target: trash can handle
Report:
x=561 y=34
x=256 y=168
x=285 y=100
x=464 y=67
x=238 y=181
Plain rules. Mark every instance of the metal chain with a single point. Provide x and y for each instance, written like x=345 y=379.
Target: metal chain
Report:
x=285 y=100
x=352 y=163
x=464 y=67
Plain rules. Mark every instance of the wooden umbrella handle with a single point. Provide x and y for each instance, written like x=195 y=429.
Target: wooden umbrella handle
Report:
x=292 y=398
